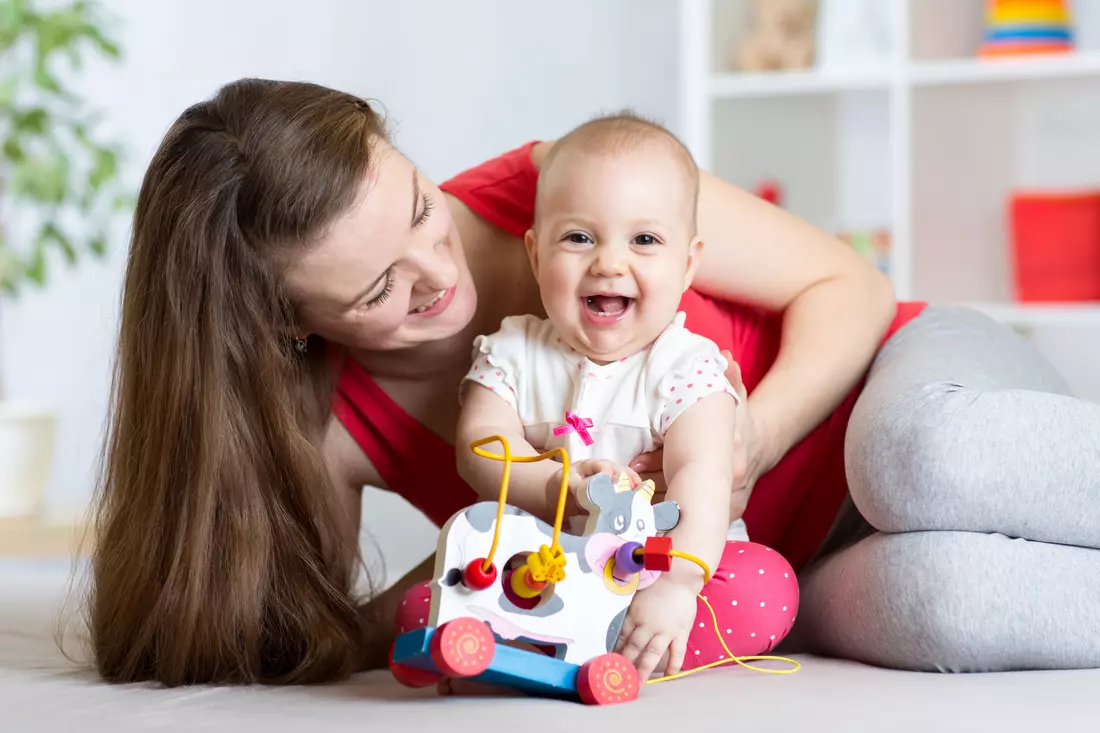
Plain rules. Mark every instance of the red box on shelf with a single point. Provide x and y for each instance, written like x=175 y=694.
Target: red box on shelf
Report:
x=1055 y=241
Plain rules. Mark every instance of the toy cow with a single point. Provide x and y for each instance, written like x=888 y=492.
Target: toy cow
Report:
x=575 y=621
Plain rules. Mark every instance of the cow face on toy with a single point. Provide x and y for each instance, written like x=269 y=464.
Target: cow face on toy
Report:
x=619 y=510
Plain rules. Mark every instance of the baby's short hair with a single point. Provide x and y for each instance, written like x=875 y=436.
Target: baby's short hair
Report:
x=623 y=132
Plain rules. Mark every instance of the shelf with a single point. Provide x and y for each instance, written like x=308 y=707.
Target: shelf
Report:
x=34 y=537
x=1035 y=315
x=977 y=71
x=950 y=72
x=735 y=85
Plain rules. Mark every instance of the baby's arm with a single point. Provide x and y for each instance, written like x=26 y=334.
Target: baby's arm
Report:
x=699 y=468
x=485 y=413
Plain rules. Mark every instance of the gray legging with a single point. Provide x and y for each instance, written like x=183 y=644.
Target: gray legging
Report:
x=970 y=539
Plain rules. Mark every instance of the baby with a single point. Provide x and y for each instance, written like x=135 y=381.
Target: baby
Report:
x=613 y=372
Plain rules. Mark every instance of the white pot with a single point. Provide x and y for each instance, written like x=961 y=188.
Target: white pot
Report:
x=26 y=457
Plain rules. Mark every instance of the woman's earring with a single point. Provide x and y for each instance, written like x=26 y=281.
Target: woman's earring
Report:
x=300 y=345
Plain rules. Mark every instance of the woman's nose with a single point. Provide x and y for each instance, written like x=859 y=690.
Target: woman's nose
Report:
x=436 y=266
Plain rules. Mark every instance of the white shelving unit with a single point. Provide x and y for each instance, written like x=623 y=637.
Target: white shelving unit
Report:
x=927 y=144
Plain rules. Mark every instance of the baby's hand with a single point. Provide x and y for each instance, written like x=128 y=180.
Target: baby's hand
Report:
x=581 y=471
x=659 y=620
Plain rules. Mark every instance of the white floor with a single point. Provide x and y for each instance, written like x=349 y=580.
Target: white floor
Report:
x=42 y=691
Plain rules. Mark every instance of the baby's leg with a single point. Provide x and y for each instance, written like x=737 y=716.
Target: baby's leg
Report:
x=754 y=594
x=412 y=614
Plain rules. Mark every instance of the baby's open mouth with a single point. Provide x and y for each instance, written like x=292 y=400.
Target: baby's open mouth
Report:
x=608 y=306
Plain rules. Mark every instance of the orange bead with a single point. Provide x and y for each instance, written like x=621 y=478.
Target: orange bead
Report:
x=524 y=585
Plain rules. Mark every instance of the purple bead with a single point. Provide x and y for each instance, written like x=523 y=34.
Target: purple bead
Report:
x=625 y=562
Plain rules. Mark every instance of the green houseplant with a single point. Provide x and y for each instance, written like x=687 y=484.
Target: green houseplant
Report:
x=58 y=192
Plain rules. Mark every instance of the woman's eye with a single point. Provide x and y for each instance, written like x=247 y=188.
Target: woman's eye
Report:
x=645 y=239
x=428 y=204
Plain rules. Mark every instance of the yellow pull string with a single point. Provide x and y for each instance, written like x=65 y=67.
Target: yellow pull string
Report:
x=697 y=561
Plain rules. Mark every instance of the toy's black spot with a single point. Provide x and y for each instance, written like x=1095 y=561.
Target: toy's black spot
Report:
x=453 y=577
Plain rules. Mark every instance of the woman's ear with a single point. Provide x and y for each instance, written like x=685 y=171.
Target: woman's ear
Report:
x=531 y=242
x=695 y=254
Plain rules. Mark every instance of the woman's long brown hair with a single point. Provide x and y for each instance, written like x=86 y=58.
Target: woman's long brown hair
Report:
x=221 y=553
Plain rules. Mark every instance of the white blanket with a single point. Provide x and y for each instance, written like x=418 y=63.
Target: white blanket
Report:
x=41 y=691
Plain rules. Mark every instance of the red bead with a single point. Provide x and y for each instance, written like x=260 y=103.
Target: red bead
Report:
x=475 y=578
x=657 y=555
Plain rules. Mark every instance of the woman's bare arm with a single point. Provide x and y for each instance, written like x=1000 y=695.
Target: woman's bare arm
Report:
x=351 y=470
x=836 y=306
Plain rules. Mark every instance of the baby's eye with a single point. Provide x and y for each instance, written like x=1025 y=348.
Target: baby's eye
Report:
x=645 y=239
x=578 y=238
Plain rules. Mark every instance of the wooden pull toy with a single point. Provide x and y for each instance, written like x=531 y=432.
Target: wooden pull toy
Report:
x=505 y=578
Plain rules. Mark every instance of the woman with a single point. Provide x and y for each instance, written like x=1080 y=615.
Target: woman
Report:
x=300 y=304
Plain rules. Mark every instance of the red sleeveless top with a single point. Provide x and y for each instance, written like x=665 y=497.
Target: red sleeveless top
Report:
x=792 y=507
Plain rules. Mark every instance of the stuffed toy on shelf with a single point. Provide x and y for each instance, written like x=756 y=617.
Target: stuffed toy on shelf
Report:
x=780 y=37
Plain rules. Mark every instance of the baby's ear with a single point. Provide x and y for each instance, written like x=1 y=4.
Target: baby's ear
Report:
x=695 y=254
x=531 y=242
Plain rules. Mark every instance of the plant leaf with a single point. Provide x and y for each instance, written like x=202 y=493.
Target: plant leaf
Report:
x=103 y=169
x=50 y=233
x=13 y=151
x=42 y=178
x=124 y=202
x=34 y=121
x=36 y=270
x=11 y=269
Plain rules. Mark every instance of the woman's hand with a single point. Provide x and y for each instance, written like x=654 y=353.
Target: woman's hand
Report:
x=579 y=474
x=750 y=459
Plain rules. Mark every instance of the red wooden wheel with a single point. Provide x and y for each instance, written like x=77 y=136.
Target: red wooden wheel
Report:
x=412 y=676
x=463 y=647
x=607 y=680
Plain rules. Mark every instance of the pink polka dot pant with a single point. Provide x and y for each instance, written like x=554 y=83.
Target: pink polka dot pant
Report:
x=754 y=594
x=412 y=614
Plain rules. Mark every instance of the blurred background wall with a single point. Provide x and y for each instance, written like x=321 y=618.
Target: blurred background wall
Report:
x=908 y=143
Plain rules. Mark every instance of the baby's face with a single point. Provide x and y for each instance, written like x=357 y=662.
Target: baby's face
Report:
x=613 y=248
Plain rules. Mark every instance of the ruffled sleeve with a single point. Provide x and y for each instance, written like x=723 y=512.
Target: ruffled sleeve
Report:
x=692 y=367
x=498 y=360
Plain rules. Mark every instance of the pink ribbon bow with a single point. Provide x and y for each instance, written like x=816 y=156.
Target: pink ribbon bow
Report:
x=575 y=422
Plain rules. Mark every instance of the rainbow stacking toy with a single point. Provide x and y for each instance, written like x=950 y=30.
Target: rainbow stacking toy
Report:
x=1022 y=27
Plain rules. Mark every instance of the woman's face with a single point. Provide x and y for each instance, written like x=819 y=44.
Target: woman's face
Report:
x=391 y=272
